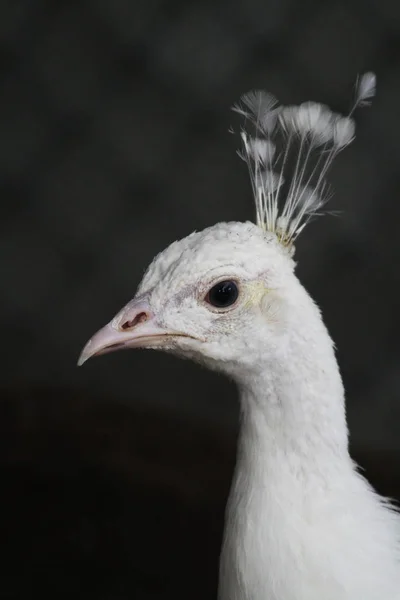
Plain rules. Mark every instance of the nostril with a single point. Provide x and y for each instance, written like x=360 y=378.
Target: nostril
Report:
x=139 y=318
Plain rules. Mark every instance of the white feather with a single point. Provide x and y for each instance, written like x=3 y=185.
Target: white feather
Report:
x=311 y=119
x=269 y=181
x=343 y=132
x=261 y=150
x=308 y=137
x=365 y=90
x=259 y=107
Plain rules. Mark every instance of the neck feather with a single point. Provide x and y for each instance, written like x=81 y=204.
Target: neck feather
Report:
x=298 y=514
x=292 y=453
x=296 y=402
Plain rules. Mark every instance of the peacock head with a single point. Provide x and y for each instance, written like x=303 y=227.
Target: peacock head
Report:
x=214 y=296
x=227 y=296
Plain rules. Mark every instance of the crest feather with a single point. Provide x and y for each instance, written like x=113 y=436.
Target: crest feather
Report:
x=365 y=90
x=289 y=152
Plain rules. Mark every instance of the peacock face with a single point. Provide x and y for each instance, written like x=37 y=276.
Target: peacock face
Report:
x=214 y=297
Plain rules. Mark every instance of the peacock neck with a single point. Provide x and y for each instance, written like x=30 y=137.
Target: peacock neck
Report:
x=294 y=416
x=294 y=402
x=292 y=454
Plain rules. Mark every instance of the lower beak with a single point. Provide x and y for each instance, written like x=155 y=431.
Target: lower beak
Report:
x=133 y=327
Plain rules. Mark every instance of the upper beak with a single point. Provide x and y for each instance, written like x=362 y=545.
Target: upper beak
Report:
x=133 y=327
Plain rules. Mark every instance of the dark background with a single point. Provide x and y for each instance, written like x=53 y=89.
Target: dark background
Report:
x=114 y=118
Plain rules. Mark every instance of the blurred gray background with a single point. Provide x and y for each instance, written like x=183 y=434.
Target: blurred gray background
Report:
x=114 y=118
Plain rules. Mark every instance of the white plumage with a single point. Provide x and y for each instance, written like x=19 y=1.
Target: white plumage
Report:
x=301 y=522
x=309 y=137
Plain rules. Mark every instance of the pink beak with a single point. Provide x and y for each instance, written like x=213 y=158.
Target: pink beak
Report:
x=133 y=327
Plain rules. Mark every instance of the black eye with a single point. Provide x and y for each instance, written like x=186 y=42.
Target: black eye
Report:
x=223 y=294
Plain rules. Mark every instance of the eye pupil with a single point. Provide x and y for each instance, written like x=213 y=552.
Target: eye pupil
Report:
x=223 y=294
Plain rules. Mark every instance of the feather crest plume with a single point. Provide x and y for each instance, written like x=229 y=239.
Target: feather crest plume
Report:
x=288 y=151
